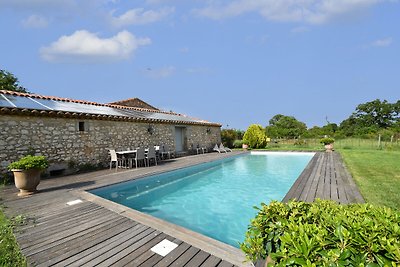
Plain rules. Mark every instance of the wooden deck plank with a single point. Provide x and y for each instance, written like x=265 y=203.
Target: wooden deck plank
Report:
x=311 y=186
x=328 y=180
x=109 y=251
x=47 y=222
x=352 y=191
x=173 y=255
x=185 y=257
x=64 y=253
x=211 y=261
x=155 y=259
x=198 y=259
x=145 y=253
x=321 y=181
x=312 y=192
x=90 y=252
x=334 y=180
x=77 y=238
x=298 y=186
x=64 y=231
x=225 y=264
x=130 y=253
x=56 y=227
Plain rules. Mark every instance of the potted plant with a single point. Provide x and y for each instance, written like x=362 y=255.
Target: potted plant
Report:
x=27 y=173
x=328 y=142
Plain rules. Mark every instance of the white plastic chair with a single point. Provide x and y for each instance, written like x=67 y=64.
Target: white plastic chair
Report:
x=114 y=158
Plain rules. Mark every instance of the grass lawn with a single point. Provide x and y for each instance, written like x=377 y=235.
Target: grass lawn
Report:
x=377 y=174
x=10 y=254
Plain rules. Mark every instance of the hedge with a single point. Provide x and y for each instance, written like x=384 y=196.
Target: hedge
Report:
x=324 y=233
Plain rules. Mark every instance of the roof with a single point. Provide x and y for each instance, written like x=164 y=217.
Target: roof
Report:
x=38 y=105
x=134 y=102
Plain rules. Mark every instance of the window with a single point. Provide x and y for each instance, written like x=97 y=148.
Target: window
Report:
x=81 y=126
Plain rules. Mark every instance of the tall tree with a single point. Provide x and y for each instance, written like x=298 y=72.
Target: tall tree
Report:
x=228 y=136
x=285 y=126
x=379 y=113
x=371 y=117
x=10 y=83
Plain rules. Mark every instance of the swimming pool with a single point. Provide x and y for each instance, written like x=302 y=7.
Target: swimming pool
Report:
x=215 y=199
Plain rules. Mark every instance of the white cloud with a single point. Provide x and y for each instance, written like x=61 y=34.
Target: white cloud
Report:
x=139 y=16
x=35 y=21
x=38 y=4
x=184 y=50
x=84 y=46
x=198 y=70
x=382 y=42
x=300 y=29
x=309 y=11
x=161 y=73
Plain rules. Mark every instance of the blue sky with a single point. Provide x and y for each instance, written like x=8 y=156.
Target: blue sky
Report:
x=234 y=62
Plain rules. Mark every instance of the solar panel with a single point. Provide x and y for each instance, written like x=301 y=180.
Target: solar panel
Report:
x=56 y=105
x=4 y=102
x=24 y=102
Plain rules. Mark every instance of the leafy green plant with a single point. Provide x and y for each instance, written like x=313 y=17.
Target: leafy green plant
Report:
x=255 y=136
x=237 y=144
x=29 y=162
x=327 y=140
x=10 y=254
x=324 y=233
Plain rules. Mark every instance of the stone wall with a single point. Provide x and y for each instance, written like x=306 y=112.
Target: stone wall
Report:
x=67 y=142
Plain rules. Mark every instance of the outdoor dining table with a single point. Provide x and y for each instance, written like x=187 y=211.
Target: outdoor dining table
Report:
x=133 y=152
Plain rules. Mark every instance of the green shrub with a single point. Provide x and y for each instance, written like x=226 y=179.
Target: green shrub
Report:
x=29 y=162
x=324 y=233
x=10 y=254
x=327 y=140
x=237 y=144
x=255 y=136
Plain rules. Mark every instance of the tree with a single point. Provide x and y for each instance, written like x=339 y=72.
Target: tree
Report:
x=228 y=136
x=371 y=117
x=379 y=113
x=255 y=136
x=285 y=126
x=10 y=83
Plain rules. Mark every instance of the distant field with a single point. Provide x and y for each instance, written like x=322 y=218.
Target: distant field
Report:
x=348 y=143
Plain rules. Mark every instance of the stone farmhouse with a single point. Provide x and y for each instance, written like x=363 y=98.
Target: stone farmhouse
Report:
x=74 y=132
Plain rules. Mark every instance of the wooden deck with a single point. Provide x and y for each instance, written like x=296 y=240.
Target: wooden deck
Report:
x=93 y=233
x=325 y=177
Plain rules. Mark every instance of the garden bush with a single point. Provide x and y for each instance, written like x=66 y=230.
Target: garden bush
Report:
x=237 y=144
x=255 y=136
x=324 y=233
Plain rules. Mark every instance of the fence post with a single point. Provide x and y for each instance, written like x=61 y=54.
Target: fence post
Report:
x=379 y=141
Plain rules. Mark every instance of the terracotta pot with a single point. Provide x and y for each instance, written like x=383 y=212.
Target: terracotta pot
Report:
x=329 y=147
x=245 y=147
x=27 y=181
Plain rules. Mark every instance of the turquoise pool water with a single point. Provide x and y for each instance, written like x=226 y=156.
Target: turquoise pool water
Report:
x=215 y=199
